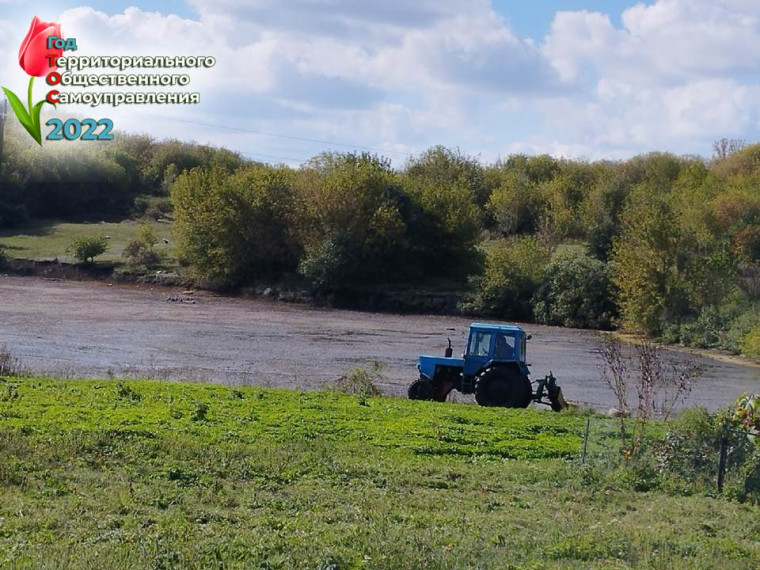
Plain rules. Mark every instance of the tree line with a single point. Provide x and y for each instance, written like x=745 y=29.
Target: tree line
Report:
x=663 y=245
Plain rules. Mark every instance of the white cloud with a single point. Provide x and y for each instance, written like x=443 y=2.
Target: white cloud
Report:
x=356 y=71
x=676 y=75
x=403 y=75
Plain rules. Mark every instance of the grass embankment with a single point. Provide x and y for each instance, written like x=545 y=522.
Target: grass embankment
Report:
x=159 y=475
x=46 y=239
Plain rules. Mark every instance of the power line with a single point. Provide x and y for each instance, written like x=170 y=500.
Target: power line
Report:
x=288 y=137
x=289 y=158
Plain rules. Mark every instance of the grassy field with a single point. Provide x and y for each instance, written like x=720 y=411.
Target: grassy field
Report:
x=139 y=474
x=49 y=239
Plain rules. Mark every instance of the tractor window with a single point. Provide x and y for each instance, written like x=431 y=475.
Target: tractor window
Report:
x=480 y=343
x=505 y=347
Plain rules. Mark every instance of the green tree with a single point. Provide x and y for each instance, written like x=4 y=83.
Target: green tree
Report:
x=643 y=261
x=449 y=190
x=576 y=292
x=514 y=268
x=515 y=204
x=234 y=228
x=353 y=224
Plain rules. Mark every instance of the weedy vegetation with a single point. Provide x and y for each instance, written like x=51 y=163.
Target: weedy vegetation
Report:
x=145 y=474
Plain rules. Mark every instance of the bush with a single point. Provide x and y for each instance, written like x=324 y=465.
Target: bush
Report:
x=360 y=381
x=514 y=268
x=153 y=208
x=706 y=331
x=688 y=457
x=3 y=257
x=234 y=228
x=140 y=251
x=86 y=249
x=751 y=343
x=728 y=326
x=747 y=413
x=9 y=364
x=331 y=265
x=575 y=293
x=354 y=223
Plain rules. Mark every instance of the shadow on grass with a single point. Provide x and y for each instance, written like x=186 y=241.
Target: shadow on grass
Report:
x=35 y=228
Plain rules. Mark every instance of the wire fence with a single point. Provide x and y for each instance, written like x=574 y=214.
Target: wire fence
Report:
x=703 y=456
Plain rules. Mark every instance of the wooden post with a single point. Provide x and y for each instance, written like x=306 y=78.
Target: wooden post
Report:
x=585 y=440
x=722 y=463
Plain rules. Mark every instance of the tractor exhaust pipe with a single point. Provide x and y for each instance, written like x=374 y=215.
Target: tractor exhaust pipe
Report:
x=449 y=350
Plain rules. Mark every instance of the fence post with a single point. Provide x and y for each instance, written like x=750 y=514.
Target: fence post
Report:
x=722 y=463
x=585 y=441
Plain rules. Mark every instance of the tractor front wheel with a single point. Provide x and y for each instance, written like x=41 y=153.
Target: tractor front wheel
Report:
x=421 y=389
x=497 y=387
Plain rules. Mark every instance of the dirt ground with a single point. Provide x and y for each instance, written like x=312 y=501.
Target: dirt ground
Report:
x=97 y=329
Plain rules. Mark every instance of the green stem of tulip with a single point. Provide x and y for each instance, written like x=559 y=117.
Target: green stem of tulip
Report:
x=31 y=83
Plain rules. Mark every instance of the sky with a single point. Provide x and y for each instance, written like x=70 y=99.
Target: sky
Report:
x=582 y=79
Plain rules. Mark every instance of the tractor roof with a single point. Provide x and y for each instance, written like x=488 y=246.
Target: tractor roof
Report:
x=497 y=327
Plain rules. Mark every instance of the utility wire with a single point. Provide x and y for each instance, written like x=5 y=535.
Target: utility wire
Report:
x=288 y=158
x=288 y=137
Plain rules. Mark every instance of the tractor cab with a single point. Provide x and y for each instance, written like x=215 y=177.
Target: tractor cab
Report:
x=493 y=368
x=505 y=344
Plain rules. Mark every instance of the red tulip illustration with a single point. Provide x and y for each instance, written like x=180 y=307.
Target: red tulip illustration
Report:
x=34 y=57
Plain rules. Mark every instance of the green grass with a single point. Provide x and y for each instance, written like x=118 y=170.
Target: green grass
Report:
x=48 y=239
x=139 y=474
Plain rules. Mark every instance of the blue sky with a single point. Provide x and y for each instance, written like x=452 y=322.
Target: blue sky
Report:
x=576 y=78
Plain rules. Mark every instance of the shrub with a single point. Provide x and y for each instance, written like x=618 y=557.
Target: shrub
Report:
x=747 y=413
x=727 y=326
x=514 y=268
x=705 y=331
x=86 y=249
x=233 y=228
x=741 y=328
x=332 y=265
x=140 y=251
x=3 y=257
x=575 y=293
x=360 y=381
x=353 y=222
x=751 y=343
x=140 y=205
x=153 y=208
x=688 y=457
x=9 y=364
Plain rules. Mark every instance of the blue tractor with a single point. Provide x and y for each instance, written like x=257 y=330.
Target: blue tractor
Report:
x=492 y=368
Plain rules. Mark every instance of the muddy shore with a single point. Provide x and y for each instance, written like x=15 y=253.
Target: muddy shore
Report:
x=99 y=329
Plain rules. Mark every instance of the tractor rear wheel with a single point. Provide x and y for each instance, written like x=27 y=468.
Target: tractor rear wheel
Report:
x=500 y=387
x=421 y=389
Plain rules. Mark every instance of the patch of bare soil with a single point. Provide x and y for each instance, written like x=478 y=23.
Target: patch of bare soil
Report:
x=97 y=329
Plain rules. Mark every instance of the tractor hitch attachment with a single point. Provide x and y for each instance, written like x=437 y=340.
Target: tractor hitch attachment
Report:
x=548 y=386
